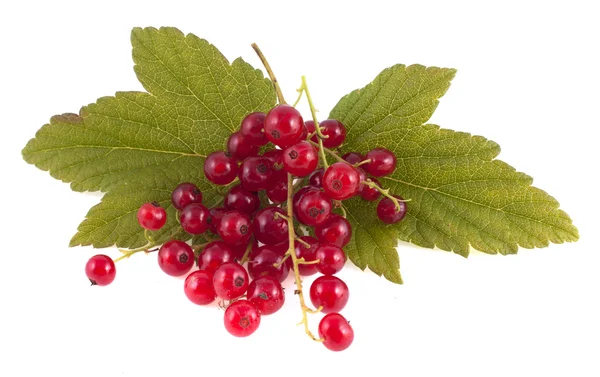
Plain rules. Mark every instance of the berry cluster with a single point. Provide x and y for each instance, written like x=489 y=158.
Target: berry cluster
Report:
x=259 y=233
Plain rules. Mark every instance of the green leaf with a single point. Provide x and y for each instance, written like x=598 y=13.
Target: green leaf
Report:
x=460 y=196
x=152 y=141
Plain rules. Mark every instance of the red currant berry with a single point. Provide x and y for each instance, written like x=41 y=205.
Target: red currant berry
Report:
x=256 y=173
x=152 y=216
x=230 y=281
x=240 y=250
x=214 y=218
x=383 y=162
x=341 y=181
x=298 y=195
x=308 y=253
x=241 y=318
x=316 y=178
x=266 y=294
x=240 y=147
x=310 y=129
x=240 y=199
x=369 y=193
x=386 y=210
x=214 y=255
x=313 y=207
x=336 y=230
x=336 y=331
x=330 y=292
x=331 y=259
x=262 y=263
x=253 y=127
x=353 y=158
x=220 y=168
x=300 y=159
x=283 y=126
x=235 y=228
x=269 y=227
x=185 y=194
x=198 y=287
x=335 y=131
x=100 y=269
x=175 y=258
x=304 y=134
x=194 y=218
x=275 y=156
x=277 y=193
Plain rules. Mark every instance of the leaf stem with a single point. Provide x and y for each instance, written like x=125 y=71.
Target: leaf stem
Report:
x=267 y=66
x=384 y=192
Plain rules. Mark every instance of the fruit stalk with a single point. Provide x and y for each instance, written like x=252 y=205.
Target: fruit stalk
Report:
x=265 y=63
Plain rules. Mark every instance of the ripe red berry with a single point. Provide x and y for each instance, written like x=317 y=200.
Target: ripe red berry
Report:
x=175 y=258
x=283 y=126
x=386 y=210
x=270 y=228
x=298 y=195
x=331 y=259
x=266 y=294
x=240 y=147
x=241 y=318
x=198 y=287
x=330 y=292
x=277 y=193
x=310 y=129
x=185 y=194
x=313 y=207
x=304 y=134
x=335 y=131
x=253 y=127
x=100 y=270
x=152 y=216
x=369 y=193
x=335 y=230
x=383 y=162
x=240 y=250
x=194 y=218
x=240 y=199
x=262 y=263
x=308 y=253
x=275 y=156
x=230 y=281
x=353 y=158
x=341 y=181
x=316 y=178
x=214 y=255
x=235 y=228
x=220 y=168
x=214 y=218
x=256 y=173
x=300 y=159
x=336 y=331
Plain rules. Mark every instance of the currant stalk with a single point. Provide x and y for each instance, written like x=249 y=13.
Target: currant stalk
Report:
x=267 y=66
x=313 y=112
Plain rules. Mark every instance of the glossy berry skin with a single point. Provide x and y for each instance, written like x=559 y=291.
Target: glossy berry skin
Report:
x=262 y=262
x=283 y=126
x=240 y=199
x=194 y=218
x=341 y=181
x=266 y=294
x=353 y=158
x=240 y=250
x=304 y=134
x=331 y=259
x=235 y=228
x=336 y=331
x=240 y=147
x=330 y=292
x=316 y=178
x=275 y=156
x=313 y=207
x=151 y=216
x=214 y=218
x=268 y=227
x=100 y=270
x=308 y=253
x=300 y=159
x=298 y=195
x=198 y=287
x=175 y=258
x=185 y=194
x=386 y=210
x=241 y=318
x=214 y=255
x=335 y=230
x=220 y=168
x=252 y=128
x=277 y=193
x=369 y=193
x=256 y=173
x=383 y=162
x=230 y=281
x=335 y=131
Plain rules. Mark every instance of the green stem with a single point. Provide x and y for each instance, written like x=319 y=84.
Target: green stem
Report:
x=264 y=61
x=385 y=193
x=313 y=112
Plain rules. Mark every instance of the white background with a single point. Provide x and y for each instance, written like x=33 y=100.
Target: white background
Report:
x=528 y=79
